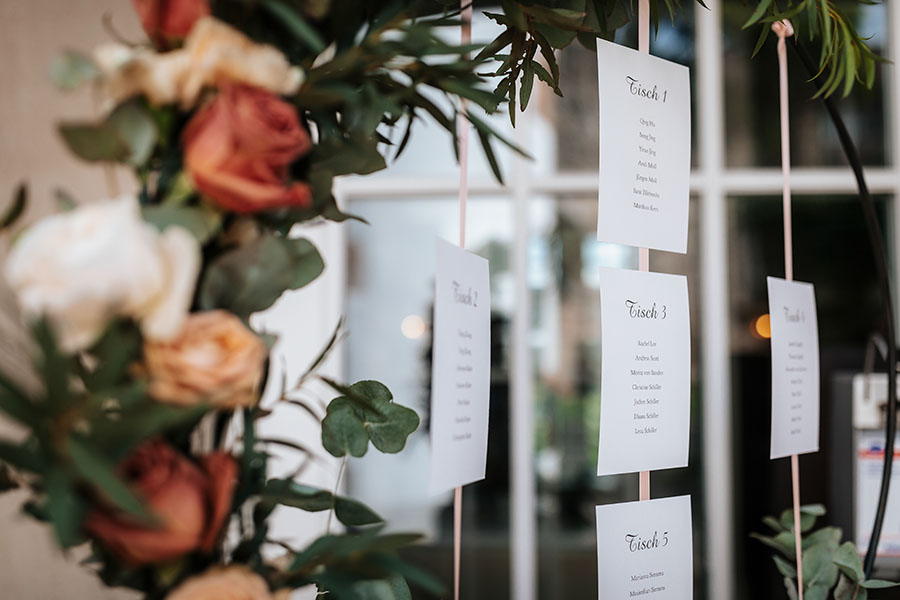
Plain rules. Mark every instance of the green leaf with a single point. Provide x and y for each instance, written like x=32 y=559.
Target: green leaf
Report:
x=16 y=403
x=15 y=210
x=816 y=592
x=878 y=584
x=128 y=134
x=251 y=278
x=784 y=567
x=289 y=493
x=94 y=142
x=202 y=222
x=846 y=589
x=135 y=126
x=343 y=432
x=783 y=542
x=64 y=200
x=96 y=469
x=847 y=559
x=818 y=568
x=366 y=412
x=758 y=13
x=354 y=513
x=64 y=508
x=71 y=69
x=790 y=587
x=296 y=24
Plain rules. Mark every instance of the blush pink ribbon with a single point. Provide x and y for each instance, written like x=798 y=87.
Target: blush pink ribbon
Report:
x=784 y=29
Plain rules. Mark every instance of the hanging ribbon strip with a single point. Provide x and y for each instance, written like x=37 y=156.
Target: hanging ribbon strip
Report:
x=463 y=133
x=644 y=253
x=784 y=30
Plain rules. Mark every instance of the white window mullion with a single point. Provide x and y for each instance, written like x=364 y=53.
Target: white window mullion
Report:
x=716 y=394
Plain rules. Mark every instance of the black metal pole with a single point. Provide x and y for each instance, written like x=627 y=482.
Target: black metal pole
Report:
x=881 y=267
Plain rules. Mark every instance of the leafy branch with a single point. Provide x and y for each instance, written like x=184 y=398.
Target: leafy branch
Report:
x=845 y=58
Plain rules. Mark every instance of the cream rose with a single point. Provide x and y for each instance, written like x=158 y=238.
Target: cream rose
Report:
x=214 y=359
x=214 y=53
x=228 y=583
x=81 y=268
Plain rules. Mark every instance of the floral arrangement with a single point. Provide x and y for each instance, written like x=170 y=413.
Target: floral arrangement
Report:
x=235 y=116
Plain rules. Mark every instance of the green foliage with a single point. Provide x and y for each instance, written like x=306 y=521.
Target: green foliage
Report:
x=366 y=412
x=201 y=221
x=826 y=562
x=72 y=69
x=79 y=433
x=252 y=277
x=348 y=565
x=16 y=208
x=128 y=135
x=845 y=56
x=350 y=512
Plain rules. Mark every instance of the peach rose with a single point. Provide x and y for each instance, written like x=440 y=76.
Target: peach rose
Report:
x=168 y=21
x=239 y=147
x=214 y=55
x=215 y=359
x=226 y=583
x=189 y=501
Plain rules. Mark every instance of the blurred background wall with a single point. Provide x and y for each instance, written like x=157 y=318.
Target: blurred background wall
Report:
x=33 y=32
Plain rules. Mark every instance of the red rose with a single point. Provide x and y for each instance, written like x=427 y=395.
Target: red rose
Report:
x=189 y=502
x=168 y=21
x=239 y=147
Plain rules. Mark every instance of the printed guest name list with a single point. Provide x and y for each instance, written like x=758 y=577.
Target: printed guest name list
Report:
x=645 y=149
x=460 y=384
x=644 y=550
x=795 y=367
x=645 y=375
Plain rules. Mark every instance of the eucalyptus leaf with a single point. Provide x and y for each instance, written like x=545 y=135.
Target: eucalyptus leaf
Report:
x=847 y=559
x=252 y=277
x=72 y=69
x=202 y=222
x=366 y=413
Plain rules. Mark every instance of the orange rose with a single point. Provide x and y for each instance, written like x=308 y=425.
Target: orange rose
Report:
x=215 y=359
x=228 y=583
x=189 y=502
x=168 y=21
x=239 y=147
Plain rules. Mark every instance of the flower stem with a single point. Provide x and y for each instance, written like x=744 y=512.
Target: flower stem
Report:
x=337 y=485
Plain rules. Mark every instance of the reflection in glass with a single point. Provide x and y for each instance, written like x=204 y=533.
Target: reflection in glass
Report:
x=389 y=312
x=751 y=98
x=832 y=251
x=567 y=354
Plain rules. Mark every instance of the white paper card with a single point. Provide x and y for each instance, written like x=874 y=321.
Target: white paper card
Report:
x=645 y=149
x=795 y=367
x=645 y=384
x=461 y=368
x=645 y=550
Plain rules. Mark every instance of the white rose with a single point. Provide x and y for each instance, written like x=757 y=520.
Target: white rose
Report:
x=81 y=268
x=214 y=54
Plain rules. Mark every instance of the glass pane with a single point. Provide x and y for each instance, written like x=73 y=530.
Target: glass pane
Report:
x=390 y=300
x=751 y=98
x=831 y=250
x=564 y=260
x=571 y=124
